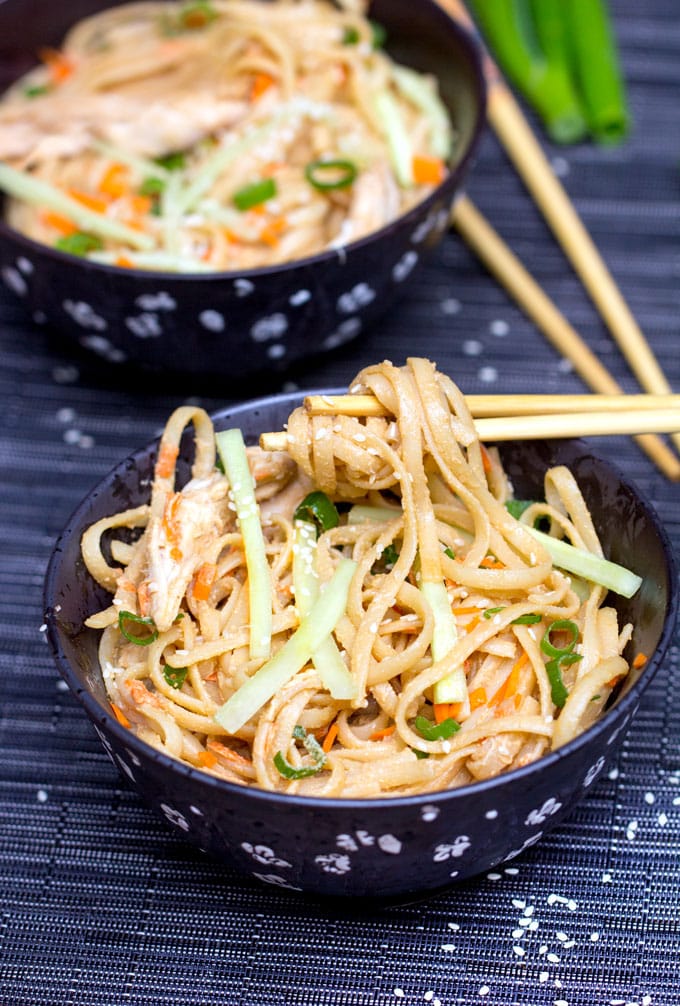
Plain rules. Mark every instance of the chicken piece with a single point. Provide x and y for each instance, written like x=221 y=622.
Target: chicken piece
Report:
x=375 y=201
x=495 y=755
x=179 y=541
x=271 y=470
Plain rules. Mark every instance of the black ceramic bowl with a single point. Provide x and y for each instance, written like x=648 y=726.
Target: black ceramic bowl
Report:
x=388 y=848
x=236 y=324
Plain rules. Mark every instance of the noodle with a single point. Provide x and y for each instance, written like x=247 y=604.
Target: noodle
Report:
x=218 y=135
x=531 y=658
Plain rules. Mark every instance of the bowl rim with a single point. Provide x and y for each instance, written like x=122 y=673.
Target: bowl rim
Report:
x=622 y=710
x=469 y=41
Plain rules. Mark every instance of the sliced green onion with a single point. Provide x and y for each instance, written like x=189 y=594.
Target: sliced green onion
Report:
x=546 y=84
x=255 y=194
x=175 y=676
x=327 y=660
x=232 y=451
x=450 y=553
x=596 y=66
x=490 y=612
x=333 y=174
x=176 y=161
x=293 y=655
x=436 y=731
x=560 y=625
x=389 y=555
x=37 y=192
x=126 y=618
x=532 y=618
x=318 y=509
x=517 y=507
x=78 y=243
x=558 y=690
x=152 y=185
x=590 y=567
x=314 y=749
x=350 y=36
x=36 y=90
x=378 y=34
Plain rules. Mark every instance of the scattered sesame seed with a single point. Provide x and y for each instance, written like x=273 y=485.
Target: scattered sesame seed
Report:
x=649 y=798
x=448 y=947
x=543 y=949
x=517 y=934
x=562 y=937
x=428 y=995
x=558 y=984
x=533 y=926
x=520 y=951
x=606 y=878
x=569 y=944
x=560 y=1002
x=553 y=958
x=399 y=993
x=493 y=876
x=646 y=1001
x=43 y=628
x=676 y=801
x=454 y=926
x=529 y=910
x=572 y=905
x=518 y=903
x=543 y=977
x=662 y=819
x=42 y=796
x=594 y=937
x=525 y=922
x=484 y=991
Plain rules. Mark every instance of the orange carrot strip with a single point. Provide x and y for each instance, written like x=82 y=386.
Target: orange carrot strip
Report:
x=271 y=232
x=58 y=223
x=124 y=263
x=490 y=563
x=441 y=711
x=329 y=739
x=472 y=624
x=640 y=660
x=205 y=577
x=379 y=735
x=477 y=698
x=487 y=464
x=509 y=686
x=226 y=752
x=120 y=716
x=166 y=460
x=207 y=759
x=58 y=64
x=466 y=611
x=92 y=202
x=261 y=83
x=113 y=182
x=428 y=170
x=141 y=204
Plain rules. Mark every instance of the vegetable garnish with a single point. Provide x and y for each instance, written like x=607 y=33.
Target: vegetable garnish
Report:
x=78 y=243
x=254 y=194
x=176 y=161
x=197 y=14
x=517 y=507
x=318 y=509
x=36 y=90
x=436 y=731
x=232 y=451
x=327 y=660
x=332 y=174
x=531 y=618
x=315 y=751
x=560 y=655
x=128 y=618
x=589 y=566
x=293 y=655
x=175 y=676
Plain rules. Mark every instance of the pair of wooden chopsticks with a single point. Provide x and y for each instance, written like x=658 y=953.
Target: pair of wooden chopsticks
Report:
x=513 y=130
x=525 y=417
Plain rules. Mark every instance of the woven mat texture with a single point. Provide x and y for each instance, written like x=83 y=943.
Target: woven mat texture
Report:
x=101 y=904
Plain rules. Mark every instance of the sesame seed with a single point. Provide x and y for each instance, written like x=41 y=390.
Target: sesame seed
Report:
x=662 y=819
x=543 y=977
x=517 y=934
x=428 y=995
x=562 y=937
x=560 y=1002
x=606 y=878
x=518 y=903
x=520 y=951
x=572 y=905
x=454 y=926
x=399 y=993
x=553 y=958
x=511 y=871
x=569 y=944
x=594 y=937
x=41 y=796
x=529 y=910
x=484 y=991
x=493 y=876
x=649 y=798
x=448 y=947
x=543 y=949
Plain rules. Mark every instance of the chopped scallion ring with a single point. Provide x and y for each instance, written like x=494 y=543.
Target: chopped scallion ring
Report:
x=78 y=243
x=436 y=731
x=255 y=194
x=327 y=175
x=129 y=618
x=317 y=508
x=175 y=676
x=314 y=749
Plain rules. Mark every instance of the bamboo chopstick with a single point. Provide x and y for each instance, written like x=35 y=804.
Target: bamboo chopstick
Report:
x=507 y=268
x=556 y=425
x=512 y=128
x=481 y=406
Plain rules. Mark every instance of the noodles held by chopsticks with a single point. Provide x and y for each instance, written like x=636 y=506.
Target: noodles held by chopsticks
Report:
x=218 y=135
x=455 y=649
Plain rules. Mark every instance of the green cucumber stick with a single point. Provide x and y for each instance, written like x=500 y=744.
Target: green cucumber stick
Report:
x=544 y=82
x=596 y=68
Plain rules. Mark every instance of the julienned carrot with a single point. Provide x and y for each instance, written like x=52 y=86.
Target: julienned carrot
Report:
x=640 y=661
x=207 y=759
x=261 y=83
x=428 y=170
x=205 y=577
x=113 y=182
x=166 y=460
x=120 y=716
x=486 y=459
x=466 y=611
x=329 y=739
x=59 y=65
x=95 y=203
x=509 y=686
x=223 y=751
x=490 y=563
x=58 y=223
x=477 y=698
x=381 y=734
x=446 y=711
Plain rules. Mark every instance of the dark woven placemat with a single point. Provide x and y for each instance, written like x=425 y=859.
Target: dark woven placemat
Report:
x=100 y=903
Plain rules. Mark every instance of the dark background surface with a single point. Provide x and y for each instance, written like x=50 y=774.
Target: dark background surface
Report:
x=100 y=903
